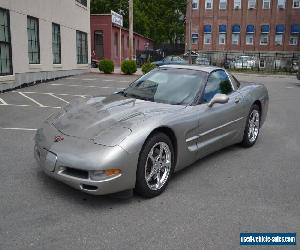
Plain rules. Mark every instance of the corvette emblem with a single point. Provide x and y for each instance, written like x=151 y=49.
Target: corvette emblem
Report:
x=58 y=138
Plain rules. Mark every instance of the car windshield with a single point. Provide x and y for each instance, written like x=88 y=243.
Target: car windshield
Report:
x=170 y=86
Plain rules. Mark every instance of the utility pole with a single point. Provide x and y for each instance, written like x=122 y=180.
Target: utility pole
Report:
x=130 y=29
x=190 y=31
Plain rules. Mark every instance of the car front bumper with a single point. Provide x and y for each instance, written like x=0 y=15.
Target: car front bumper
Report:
x=72 y=160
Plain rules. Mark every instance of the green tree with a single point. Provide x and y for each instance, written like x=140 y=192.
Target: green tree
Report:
x=160 y=20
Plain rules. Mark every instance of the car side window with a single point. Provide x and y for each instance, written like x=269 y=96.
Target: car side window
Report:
x=235 y=82
x=218 y=83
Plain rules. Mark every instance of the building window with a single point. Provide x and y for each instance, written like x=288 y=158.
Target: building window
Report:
x=207 y=38
x=208 y=4
x=195 y=37
x=56 y=44
x=249 y=39
x=235 y=39
x=222 y=34
x=251 y=4
x=293 y=40
x=33 y=40
x=99 y=48
x=278 y=39
x=82 y=47
x=264 y=39
x=266 y=4
x=207 y=34
x=237 y=4
x=5 y=44
x=222 y=38
x=223 y=4
x=281 y=4
x=82 y=2
x=296 y=3
x=195 y=4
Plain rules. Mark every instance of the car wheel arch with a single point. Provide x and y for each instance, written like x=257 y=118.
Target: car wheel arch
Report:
x=171 y=134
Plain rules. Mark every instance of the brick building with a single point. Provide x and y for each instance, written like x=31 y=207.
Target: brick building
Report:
x=264 y=26
x=105 y=40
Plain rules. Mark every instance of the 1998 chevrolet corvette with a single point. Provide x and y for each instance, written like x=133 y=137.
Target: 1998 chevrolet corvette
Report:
x=163 y=122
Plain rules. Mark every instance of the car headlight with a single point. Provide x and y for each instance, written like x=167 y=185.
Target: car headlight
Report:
x=99 y=175
x=112 y=137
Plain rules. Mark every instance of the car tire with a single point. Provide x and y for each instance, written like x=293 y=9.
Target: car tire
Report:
x=252 y=127
x=155 y=166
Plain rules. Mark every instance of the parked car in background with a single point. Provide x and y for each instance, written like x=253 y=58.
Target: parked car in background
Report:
x=243 y=62
x=201 y=60
x=170 y=60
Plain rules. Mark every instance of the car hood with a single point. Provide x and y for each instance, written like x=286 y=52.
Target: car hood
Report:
x=112 y=116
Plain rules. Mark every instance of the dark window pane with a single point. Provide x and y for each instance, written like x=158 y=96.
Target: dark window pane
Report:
x=33 y=40
x=5 y=44
x=56 y=43
x=82 y=47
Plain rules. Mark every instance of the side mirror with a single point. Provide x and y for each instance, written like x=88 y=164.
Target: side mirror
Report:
x=218 y=98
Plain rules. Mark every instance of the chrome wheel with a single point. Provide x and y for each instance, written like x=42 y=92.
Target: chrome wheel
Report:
x=253 y=127
x=158 y=166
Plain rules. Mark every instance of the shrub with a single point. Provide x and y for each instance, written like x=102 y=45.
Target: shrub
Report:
x=129 y=67
x=106 y=66
x=147 y=67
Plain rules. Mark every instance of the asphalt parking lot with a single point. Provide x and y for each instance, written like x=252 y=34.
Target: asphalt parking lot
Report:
x=206 y=206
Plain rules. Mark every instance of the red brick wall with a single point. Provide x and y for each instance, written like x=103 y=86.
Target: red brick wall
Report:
x=243 y=17
x=110 y=32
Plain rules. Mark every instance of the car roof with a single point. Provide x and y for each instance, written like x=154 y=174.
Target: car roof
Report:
x=207 y=69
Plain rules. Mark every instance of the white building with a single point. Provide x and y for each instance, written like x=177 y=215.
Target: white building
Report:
x=42 y=40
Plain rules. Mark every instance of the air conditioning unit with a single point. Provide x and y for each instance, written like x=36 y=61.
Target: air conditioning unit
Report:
x=251 y=8
x=237 y=7
x=281 y=6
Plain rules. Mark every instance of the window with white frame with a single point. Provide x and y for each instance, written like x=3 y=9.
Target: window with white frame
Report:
x=207 y=38
x=195 y=37
x=208 y=4
x=278 y=39
x=281 y=4
x=223 y=4
x=195 y=4
x=222 y=38
x=293 y=40
x=82 y=47
x=237 y=4
x=266 y=4
x=264 y=39
x=249 y=39
x=235 y=39
x=251 y=4
x=296 y=3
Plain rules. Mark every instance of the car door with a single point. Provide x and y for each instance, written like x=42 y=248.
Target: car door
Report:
x=221 y=124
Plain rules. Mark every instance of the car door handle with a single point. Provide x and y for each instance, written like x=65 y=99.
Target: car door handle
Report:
x=237 y=100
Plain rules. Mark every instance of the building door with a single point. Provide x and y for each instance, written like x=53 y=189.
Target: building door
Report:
x=99 y=48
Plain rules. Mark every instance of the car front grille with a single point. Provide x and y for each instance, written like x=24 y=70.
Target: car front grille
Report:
x=82 y=174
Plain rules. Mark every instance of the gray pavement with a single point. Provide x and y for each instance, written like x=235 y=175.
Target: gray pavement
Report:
x=205 y=206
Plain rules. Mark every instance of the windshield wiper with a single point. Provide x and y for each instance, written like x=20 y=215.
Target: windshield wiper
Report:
x=138 y=97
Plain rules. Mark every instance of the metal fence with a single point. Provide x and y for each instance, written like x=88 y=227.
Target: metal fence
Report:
x=258 y=61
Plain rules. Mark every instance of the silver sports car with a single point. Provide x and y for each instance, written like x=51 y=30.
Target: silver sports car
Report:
x=163 y=122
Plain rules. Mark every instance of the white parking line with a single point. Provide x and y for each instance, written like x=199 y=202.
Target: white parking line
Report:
x=41 y=93
x=31 y=99
x=290 y=87
x=89 y=79
x=108 y=80
x=22 y=129
x=24 y=105
x=86 y=86
x=3 y=102
x=58 y=98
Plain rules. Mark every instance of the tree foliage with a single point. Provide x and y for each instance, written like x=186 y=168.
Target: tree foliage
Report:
x=161 y=20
